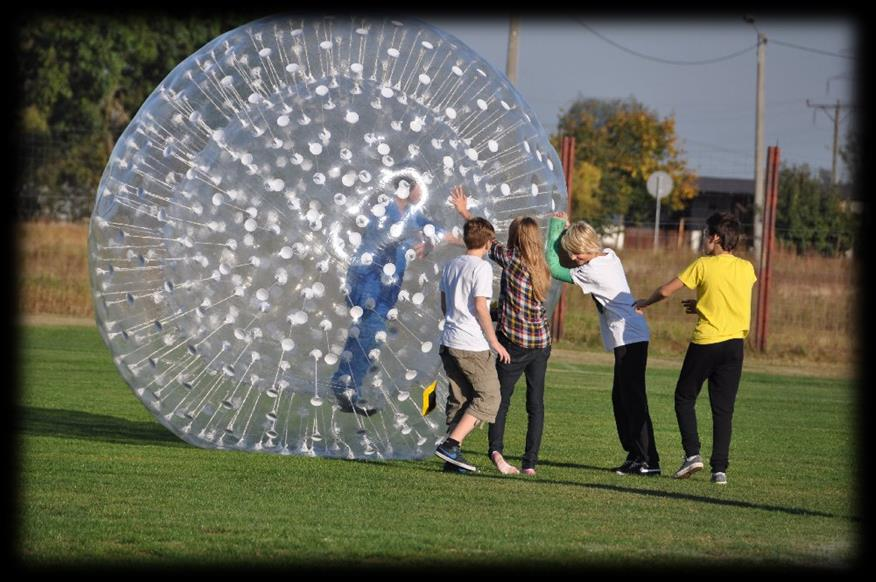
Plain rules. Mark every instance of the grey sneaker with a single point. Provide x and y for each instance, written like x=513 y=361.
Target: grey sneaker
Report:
x=719 y=478
x=689 y=466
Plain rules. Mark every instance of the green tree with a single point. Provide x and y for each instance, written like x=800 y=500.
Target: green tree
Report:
x=84 y=76
x=585 y=185
x=810 y=214
x=851 y=152
x=619 y=144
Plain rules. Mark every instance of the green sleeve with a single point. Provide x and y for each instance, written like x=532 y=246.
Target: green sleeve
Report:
x=553 y=259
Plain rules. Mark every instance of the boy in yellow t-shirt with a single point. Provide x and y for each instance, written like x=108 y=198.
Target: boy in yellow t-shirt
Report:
x=723 y=283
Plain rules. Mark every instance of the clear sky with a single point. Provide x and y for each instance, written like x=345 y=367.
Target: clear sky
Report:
x=563 y=58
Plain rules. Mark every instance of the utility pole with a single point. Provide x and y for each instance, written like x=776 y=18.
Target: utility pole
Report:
x=836 y=123
x=836 y=120
x=760 y=152
x=511 y=63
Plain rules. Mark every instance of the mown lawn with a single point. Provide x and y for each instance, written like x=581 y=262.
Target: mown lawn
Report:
x=102 y=483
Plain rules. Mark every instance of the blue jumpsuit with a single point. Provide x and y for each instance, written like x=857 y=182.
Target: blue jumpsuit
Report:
x=364 y=282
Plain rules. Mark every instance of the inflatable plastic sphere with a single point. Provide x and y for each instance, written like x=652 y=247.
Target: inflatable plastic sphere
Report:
x=269 y=232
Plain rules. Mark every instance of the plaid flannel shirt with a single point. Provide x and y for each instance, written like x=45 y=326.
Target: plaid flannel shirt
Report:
x=522 y=317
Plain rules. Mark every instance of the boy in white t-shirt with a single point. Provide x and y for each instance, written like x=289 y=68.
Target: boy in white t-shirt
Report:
x=624 y=331
x=466 y=289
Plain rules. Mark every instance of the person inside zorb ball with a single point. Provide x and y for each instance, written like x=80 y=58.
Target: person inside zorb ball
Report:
x=269 y=232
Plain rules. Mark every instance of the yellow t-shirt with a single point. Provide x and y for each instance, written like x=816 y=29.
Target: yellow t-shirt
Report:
x=723 y=284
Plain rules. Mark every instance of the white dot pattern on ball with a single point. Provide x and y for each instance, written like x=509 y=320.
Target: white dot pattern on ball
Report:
x=248 y=249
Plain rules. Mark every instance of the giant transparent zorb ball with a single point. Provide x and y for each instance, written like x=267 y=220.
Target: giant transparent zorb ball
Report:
x=242 y=205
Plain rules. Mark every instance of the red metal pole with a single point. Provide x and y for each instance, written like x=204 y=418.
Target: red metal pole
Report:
x=773 y=183
x=758 y=338
x=758 y=320
x=769 y=217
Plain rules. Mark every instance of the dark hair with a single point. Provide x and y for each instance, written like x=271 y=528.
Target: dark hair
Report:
x=397 y=180
x=726 y=227
x=477 y=232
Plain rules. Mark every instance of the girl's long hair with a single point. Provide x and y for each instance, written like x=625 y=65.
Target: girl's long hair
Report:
x=525 y=236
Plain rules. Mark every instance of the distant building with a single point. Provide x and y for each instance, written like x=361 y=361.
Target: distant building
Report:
x=734 y=195
x=684 y=227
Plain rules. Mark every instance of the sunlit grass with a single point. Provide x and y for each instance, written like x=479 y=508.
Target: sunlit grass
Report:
x=101 y=482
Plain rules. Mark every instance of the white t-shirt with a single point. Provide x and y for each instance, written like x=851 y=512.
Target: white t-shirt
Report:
x=463 y=279
x=604 y=278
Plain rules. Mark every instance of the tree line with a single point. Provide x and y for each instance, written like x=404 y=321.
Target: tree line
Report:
x=82 y=78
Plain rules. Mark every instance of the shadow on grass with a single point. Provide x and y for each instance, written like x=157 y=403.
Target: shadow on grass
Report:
x=651 y=492
x=84 y=425
x=568 y=465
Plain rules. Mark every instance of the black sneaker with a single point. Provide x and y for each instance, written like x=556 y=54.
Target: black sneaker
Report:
x=649 y=470
x=453 y=455
x=638 y=468
x=359 y=407
x=626 y=467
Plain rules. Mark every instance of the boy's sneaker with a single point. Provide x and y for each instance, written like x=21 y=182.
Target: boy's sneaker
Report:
x=638 y=468
x=626 y=467
x=453 y=455
x=451 y=468
x=649 y=470
x=719 y=478
x=689 y=466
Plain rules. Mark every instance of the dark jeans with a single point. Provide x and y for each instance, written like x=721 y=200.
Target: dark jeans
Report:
x=533 y=363
x=630 y=403
x=721 y=365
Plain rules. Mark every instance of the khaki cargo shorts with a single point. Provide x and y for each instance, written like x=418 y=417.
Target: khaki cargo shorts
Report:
x=474 y=384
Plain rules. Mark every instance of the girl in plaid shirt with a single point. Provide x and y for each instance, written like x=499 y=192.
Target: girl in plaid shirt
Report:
x=522 y=329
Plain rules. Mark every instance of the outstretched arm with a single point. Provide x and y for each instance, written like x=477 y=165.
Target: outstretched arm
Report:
x=558 y=271
x=660 y=294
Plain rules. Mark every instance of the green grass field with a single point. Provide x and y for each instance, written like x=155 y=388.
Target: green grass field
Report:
x=102 y=483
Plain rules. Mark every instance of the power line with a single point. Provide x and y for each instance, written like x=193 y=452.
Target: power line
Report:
x=665 y=61
x=812 y=50
x=717 y=147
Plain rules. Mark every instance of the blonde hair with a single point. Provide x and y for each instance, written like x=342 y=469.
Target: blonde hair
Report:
x=581 y=238
x=525 y=236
